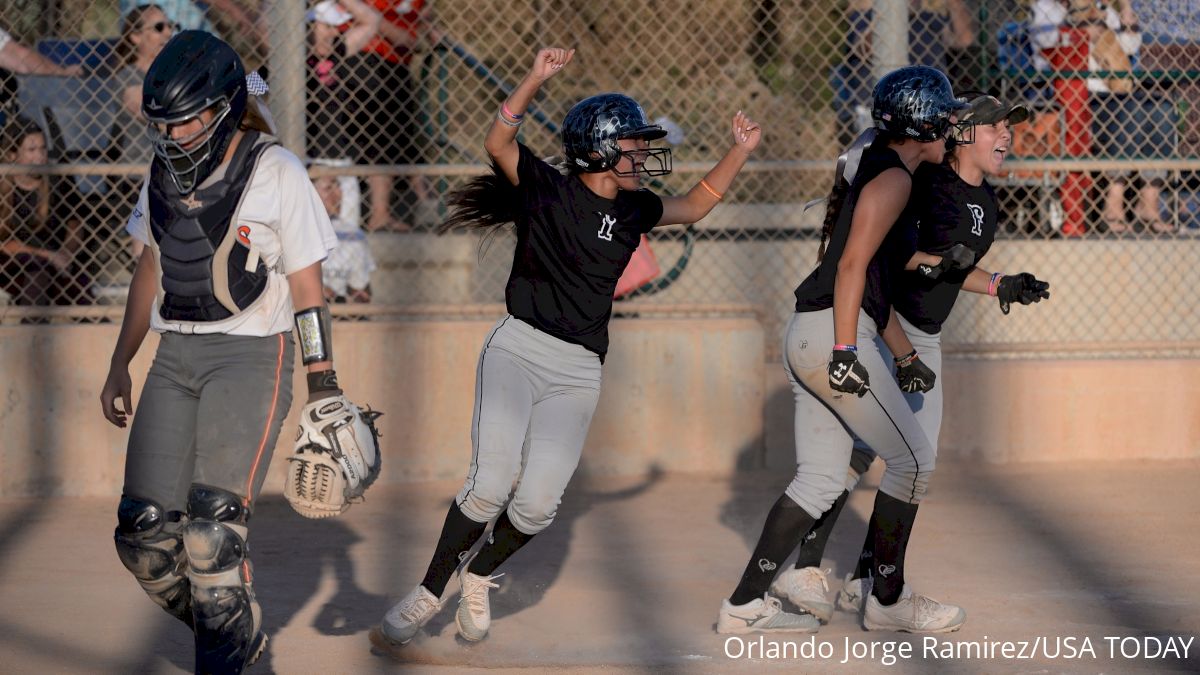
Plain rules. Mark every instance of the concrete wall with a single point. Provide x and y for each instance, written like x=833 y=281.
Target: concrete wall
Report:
x=1042 y=410
x=682 y=394
x=678 y=394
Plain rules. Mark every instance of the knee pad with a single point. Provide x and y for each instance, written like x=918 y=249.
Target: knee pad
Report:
x=227 y=615
x=150 y=546
x=215 y=536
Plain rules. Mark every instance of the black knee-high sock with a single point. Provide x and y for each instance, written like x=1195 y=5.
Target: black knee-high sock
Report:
x=785 y=523
x=812 y=547
x=865 y=558
x=893 y=520
x=505 y=541
x=459 y=534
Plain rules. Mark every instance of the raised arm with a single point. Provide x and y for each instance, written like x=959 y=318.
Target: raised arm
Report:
x=501 y=141
x=703 y=196
x=365 y=26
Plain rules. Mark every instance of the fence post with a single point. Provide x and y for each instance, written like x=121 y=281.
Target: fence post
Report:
x=889 y=37
x=287 y=39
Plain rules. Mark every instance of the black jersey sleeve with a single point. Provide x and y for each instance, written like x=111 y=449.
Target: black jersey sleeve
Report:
x=533 y=174
x=648 y=209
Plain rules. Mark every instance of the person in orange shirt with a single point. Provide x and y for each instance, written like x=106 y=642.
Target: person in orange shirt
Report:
x=389 y=124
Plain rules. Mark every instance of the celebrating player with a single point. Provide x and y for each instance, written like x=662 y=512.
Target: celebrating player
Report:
x=538 y=376
x=840 y=380
x=234 y=236
x=957 y=211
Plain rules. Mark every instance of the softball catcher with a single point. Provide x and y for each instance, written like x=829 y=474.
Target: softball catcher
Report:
x=539 y=372
x=234 y=236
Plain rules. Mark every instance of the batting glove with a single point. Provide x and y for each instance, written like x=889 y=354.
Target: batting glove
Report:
x=912 y=374
x=846 y=374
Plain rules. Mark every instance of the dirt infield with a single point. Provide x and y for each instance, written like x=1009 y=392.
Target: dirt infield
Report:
x=1085 y=560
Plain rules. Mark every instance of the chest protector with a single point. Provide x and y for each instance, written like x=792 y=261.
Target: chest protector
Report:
x=208 y=273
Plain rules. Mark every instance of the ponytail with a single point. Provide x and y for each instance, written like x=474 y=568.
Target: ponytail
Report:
x=488 y=203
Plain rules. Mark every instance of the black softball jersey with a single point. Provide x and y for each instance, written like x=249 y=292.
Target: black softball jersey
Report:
x=948 y=211
x=572 y=246
x=815 y=293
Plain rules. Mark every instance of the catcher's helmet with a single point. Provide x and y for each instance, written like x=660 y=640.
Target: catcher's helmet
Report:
x=593 y=126
x=194 y=71
x=915 y=102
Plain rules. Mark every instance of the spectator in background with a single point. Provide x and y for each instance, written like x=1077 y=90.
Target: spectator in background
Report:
x=934 y=28
x=346 y=272
x=39 y=232
x=388 y=119
x=232 y=15
x=144 y=31
x=1125 y=123
x=328 y=134
x=17 y=58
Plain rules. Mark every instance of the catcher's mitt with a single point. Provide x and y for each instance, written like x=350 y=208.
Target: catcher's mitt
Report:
x=335 y=459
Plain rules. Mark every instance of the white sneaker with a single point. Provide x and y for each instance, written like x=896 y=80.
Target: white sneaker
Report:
x=763 y=615
x=474 y=615
x=854 y=591
x=806 y=588
x=913 y=613
x=402 y=622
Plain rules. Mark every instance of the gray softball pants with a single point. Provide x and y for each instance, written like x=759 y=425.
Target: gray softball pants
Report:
x=534 y=399
x=209 y=413
x=927 y=407
x=827 y=421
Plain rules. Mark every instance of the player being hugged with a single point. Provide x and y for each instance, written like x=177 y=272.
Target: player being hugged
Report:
x=233 y=236
x=958 y=213
x=538 y=374
x=839 y=379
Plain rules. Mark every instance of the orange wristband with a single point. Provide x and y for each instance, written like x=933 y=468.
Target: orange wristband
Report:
x=704 y=184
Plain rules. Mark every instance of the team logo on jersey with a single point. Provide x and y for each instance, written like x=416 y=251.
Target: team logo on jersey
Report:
x=191 y=202
x=977 y=214
x=606 y=226
x=243 y=235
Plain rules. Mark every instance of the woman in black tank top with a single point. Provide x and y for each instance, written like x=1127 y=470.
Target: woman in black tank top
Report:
x=841 y=382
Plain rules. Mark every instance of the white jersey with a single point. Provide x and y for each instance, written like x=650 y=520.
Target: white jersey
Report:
x=287 y=225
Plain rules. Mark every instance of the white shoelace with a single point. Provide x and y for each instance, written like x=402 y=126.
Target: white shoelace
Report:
x=813 y=576
x=475 y=590
x=413 y=611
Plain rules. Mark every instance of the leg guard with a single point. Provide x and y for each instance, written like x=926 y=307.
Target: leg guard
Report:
x=150 y=546
x=227 y=617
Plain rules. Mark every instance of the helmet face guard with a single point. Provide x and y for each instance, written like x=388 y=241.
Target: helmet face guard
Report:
x=194 y=72
x=645 y=162
x=189 y=167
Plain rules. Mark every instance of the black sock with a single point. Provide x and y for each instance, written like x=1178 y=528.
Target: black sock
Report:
x=893 y=521
x=785 y=523
x=812 y=547
x=863 y=570
x=459 y=534
x=505 y=541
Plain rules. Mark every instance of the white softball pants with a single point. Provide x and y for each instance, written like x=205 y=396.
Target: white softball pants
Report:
x=534 y=399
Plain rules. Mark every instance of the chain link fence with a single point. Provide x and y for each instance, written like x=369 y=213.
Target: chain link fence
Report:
x=390 y=100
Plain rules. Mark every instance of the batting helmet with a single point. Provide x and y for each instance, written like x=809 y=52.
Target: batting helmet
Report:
x=194 y=71
x=593 y=126
x=915 y=102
